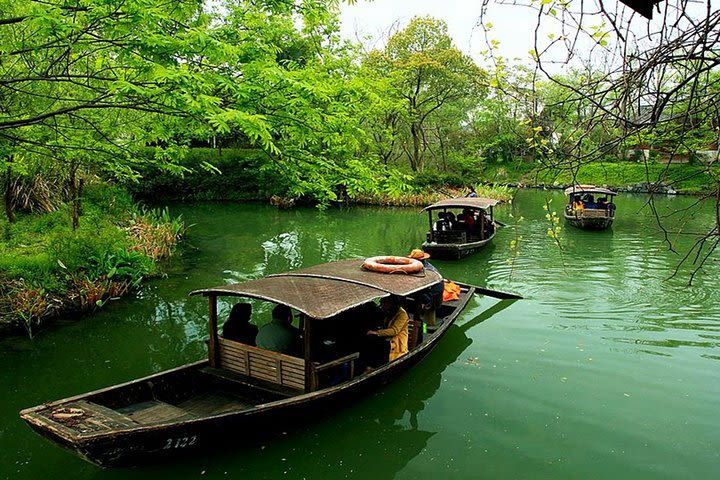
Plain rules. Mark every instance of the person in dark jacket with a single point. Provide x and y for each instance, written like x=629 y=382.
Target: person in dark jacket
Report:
x=238 y=326
x=280 y=335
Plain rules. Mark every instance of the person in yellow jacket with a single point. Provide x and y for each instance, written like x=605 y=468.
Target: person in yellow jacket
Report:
x=397 y=320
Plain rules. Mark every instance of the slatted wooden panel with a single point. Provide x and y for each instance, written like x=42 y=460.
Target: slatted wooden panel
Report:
x=258 y=363
x=594 y=213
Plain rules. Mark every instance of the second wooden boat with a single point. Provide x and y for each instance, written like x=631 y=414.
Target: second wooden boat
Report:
x=590 y=207
x=459 y=226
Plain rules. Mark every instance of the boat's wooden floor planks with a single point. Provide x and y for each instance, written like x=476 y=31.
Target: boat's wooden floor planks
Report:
x=155 y=411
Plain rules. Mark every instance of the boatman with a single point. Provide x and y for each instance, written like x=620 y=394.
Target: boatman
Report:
x=428 y=300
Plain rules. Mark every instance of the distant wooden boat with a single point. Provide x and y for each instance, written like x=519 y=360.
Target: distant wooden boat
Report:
x=590 y=207
x=242 y=392
x=451 y=237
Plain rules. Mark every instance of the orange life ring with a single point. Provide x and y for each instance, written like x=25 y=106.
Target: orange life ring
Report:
x=392 y=264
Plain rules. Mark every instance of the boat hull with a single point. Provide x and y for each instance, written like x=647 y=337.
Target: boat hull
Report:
x=154 y=443
x=240 y=429
x=454 y=251
x=589 y=223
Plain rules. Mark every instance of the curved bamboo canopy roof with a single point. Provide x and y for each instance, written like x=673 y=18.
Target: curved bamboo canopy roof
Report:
x=323 y=291
x=463 y=202
x=588 y=189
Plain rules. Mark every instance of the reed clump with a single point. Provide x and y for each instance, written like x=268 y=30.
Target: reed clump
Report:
x=155 y=233
x=425 y=198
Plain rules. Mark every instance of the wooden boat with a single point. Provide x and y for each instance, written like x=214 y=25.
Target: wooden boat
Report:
x=241 y=392
x=450 y=237
x=590 y=207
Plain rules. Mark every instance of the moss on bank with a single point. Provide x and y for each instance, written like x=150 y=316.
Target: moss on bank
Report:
x=49 y=269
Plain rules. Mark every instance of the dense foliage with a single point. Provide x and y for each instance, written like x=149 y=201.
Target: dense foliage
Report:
x=252 y=99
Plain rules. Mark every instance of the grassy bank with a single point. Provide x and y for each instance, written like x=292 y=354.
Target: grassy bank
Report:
x=49 y=269
x=683 y=178
x=246 y=174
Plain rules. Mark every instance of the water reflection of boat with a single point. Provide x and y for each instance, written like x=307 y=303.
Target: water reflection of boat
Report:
x=463 y=226
x=385 y=433
x=390 y=445
x=589 y=207
x=241 y=390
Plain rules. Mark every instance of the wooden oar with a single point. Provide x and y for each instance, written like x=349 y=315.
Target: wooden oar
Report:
x=495 y=293
x=497 y=308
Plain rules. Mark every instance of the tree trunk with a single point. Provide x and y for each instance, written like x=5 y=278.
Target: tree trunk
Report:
x=75 y=192
x=77 y=204
x=415 y=160
x=443 y=154
x=9 y=194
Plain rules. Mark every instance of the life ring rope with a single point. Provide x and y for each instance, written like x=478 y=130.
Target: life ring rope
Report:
x=392 y=264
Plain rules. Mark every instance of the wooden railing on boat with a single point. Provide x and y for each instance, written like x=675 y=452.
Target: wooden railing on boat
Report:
x=318 y=368
x=276 y=368
x=591 y=213
x=451 y=236
x=262 y=364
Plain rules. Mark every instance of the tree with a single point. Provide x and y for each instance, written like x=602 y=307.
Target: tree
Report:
x=640 y=79
x=88 y=83
x=84 y=81
x=426 y=73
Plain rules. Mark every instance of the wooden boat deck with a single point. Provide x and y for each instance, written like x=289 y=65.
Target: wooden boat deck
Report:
x=84 y=418
x=271 y=391
x=154 y=411
x=214 y=403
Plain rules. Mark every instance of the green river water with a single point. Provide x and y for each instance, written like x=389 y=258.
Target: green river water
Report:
x=606 y=370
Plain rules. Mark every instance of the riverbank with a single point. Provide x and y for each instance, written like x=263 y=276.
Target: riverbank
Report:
x=619 y=176
x=49 y=269
x=245 y=174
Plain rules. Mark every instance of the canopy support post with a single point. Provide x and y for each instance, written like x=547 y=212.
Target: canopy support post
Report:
x=213 y=346
x=432 y=233
x=482 y=224
x=310 y=375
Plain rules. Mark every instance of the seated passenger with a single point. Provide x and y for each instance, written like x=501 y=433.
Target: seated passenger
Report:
x=489 y=226
x=279 y=335
x=467 y=217
x=238 y=327
x=442 y=225
x=396 y=322
x=602 y=203
x=470 y=191
x=589 y=201
x=450 y=217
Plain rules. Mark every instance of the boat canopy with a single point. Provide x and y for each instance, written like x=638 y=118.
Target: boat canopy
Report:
x=326 y=290
x=588 y=189
x=463 y=202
